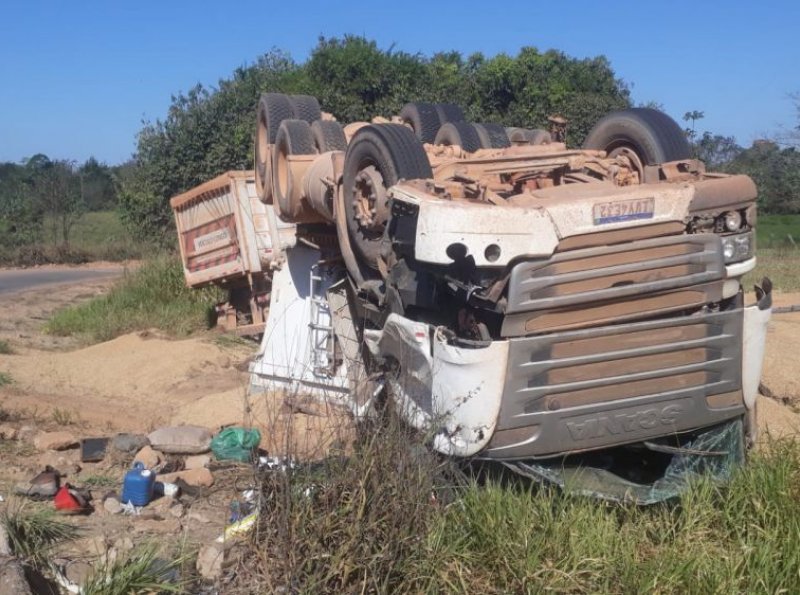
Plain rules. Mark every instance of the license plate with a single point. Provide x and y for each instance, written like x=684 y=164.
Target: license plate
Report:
x=623 y=210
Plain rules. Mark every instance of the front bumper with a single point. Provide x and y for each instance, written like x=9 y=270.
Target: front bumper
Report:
x=575 y=390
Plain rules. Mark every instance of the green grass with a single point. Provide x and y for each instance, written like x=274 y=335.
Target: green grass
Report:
x=32 y=534
x=781 y=265
x=140 y=571
x=100 y=481
x=5 y=378
x=774 y=231
x=5 y=348
x=380 y=531
x=154 y=296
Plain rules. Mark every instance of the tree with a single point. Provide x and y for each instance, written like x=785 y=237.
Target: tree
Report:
x=210 y=130
x=57 y=189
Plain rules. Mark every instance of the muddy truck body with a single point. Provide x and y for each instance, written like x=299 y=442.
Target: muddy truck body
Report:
x=514 y=299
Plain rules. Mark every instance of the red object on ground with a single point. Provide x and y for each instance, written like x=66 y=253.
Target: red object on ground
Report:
x=65 y=501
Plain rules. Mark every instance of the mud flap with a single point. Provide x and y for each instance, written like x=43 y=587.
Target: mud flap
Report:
x=754 y=336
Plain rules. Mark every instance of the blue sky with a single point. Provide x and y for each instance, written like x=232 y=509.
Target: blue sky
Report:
x=79 y=77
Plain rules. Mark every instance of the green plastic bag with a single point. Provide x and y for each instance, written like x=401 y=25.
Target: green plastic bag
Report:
x=235 y=444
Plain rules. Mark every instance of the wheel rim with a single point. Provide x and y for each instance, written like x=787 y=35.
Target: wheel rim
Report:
x=369 y=201
x=632 y=156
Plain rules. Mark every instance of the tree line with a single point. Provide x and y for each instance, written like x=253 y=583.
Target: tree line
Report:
x=41 y=199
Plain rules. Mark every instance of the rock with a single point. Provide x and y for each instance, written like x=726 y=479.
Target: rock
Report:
x=55 y=441
x=77 y=571
x=177 y=510
x=149 y=457
x=199 y=517
x=197 y=461
x=94 y=547
x=123 y=545
x=12 y=577
x=193 y=477
x=8 y=432
x=181 y=439
x=112 y=506
x=209 y=561
x=60 y=460
x=129 y=443
x=161 y=505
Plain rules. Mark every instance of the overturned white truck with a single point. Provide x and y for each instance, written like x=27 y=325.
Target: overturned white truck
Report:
x=576 y=314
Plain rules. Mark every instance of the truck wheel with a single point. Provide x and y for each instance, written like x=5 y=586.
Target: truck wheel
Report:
x=328 y=136
x=294 y=138
x=273 y=108
x=652 y=136
x=378 y=156
x=493 y=136
x=449 y=112
x=525 y=136
x=305 y=107
x=462 y=134
x=423 y=119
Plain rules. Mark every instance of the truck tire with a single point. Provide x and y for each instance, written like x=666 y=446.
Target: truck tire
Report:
x=378 y=156
x=526 y=136
x=493 y=136
x=328 y=136
x=305 y=107
x=651 y=135
x=423 y=119
x=462 y=134
x=449 y=112
x=273 y=108
x=294 y=138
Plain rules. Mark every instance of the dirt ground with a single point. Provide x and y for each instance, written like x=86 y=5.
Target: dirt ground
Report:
x=142 y=381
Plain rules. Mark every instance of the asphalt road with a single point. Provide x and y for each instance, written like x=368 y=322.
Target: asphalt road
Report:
x=12 y=280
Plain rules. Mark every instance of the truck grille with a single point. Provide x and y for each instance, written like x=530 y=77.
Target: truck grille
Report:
x=558 y=381
x=595 y=285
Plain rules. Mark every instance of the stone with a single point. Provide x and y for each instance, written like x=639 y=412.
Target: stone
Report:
x=129 y=443
x=193 y=477
x=58 y=459
x=77 y=571
x=8 y=432
x=26 y=433
x=112 y=506
x=161 y=505
x=149 y=457
x=12 y=577
x=209 y=561
x=55 y=441
x=177 y=510
x=94 y=547
x=197 y=461
x=181 y=439
x=198 y=517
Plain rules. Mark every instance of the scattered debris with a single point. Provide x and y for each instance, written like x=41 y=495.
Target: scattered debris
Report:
x=236 y=444
x=93 y=450
x=137 y=487
x=43 y=485
x=181 y=439
x=55 y=441
x=238 y=528
x=68 y=500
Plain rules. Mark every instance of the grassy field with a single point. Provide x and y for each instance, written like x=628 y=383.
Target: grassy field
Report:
x=153 y=296
x=95 y=236
x=776 y=231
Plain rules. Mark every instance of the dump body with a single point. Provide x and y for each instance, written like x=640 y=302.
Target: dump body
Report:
x=225 y=232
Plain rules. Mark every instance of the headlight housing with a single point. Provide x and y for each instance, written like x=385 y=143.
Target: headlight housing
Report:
x=738 y=247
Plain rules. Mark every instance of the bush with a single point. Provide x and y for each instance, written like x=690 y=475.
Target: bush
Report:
x=153 y=296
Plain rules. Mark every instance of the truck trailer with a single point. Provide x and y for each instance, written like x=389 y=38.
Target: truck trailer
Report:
x=575 y=314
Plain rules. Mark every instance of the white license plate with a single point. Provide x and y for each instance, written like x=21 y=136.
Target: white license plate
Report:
x=623 y=210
